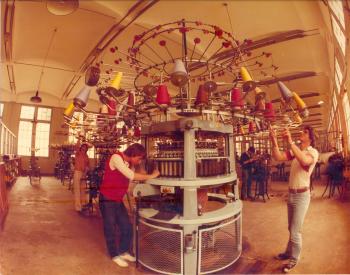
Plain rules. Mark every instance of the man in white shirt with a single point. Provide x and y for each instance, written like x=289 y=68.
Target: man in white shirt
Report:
x=304 y=160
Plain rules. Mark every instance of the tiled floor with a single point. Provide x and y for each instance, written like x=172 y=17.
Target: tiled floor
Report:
x=44 y=235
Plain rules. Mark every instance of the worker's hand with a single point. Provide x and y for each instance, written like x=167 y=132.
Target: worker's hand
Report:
x=155 y=173
x=273 y=135
x=286 y=135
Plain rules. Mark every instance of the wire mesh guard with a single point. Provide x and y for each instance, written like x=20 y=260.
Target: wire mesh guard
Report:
x=220 y=245
x=160 y=248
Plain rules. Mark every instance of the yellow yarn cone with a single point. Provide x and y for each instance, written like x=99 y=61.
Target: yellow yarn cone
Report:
x=116 y=81
x=69 y=110
x=259 y=94
x=300 y=103
x=245 y=74
x=248 y=83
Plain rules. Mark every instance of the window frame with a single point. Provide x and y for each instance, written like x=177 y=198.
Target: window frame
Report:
x=35 y=121
x=2 y=105
x=341 y=22
x=336 y=29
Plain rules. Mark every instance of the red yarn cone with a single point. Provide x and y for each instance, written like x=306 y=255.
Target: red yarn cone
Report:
x=163 y=97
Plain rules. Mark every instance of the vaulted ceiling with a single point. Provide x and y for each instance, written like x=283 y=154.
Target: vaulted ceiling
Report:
x=50 y=53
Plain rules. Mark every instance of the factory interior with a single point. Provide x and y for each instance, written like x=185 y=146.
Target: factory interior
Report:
x=174 y=137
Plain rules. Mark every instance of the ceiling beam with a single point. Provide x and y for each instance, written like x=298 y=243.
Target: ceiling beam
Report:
x=309 y=107
x=301 y=96
x=8 y=43
x=315 y=114
x=312 y=120
x=287 y=77
x=268 y=40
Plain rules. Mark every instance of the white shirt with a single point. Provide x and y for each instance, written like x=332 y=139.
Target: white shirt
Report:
x=117 y=162
x=300 y=175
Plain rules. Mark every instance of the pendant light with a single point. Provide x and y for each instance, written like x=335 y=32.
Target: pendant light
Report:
x=37 y=98
x=62 y=7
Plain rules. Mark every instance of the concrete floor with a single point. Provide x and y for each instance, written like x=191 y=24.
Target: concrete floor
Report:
x=44 y=235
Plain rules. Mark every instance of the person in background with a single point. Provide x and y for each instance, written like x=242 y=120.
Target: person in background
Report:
x=237 y=158
x=303 y=162
x=247 y=161
x=118 y=173
x=81 y=166
x=267 y=157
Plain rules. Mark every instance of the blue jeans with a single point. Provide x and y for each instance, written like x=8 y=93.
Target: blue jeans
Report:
x=115 y=214
x=297 y=207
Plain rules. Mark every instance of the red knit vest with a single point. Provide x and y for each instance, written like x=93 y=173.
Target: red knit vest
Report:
x=114 y=184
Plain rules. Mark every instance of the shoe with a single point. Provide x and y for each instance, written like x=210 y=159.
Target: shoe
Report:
x=128 y=257
x=288 y=267
x=282 y=256
x=119 y=261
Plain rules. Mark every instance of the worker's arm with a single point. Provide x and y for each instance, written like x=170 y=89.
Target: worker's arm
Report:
x=250 y=160
x=77 y=146
x=140 y=169
x=117 y=162
x=276 y=153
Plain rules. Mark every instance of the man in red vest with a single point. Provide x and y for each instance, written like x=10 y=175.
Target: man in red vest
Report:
x=118 y=174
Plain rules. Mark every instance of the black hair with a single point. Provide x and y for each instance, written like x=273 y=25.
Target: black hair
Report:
x=135 y=150
x=251 y=149
x=311 y=134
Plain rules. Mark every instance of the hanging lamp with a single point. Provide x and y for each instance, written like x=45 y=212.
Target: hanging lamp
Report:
x=62 y=7
x=36 y=98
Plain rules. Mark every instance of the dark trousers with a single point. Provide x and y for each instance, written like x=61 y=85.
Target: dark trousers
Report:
x=114 y=214
x=246 y=189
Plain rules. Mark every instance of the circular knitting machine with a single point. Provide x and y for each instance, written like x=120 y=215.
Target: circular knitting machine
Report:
x=188 y=220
